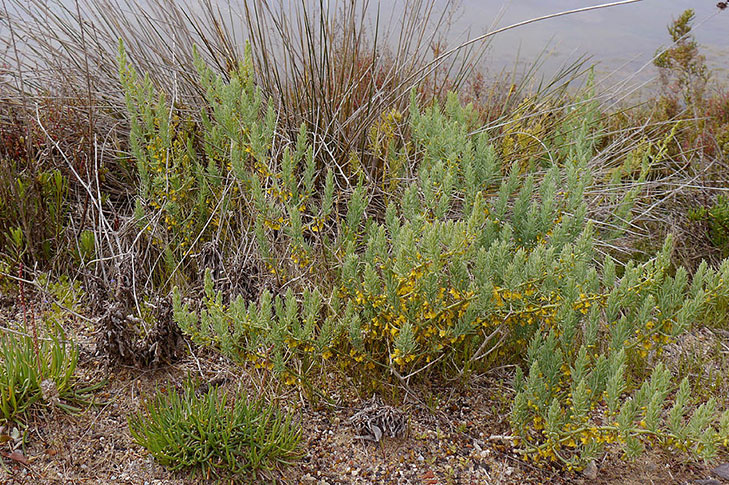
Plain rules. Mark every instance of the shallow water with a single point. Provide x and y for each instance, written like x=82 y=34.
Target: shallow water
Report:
x=621 y=40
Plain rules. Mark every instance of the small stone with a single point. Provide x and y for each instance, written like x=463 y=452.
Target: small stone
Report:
x=707 y=481
x=49 y=391
x=722 y=471
x=590 y=470
x=308 y=478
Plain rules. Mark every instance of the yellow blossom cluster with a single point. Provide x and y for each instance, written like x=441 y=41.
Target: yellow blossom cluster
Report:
x=441 y=321
x=653 y=335
x=171 y=173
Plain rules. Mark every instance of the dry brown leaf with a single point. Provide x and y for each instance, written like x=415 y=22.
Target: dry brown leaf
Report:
x=16 y=456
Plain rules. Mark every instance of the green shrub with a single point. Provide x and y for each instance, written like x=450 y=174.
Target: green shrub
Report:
x=475 y=261
x=221 y=436
x=717 y=218
x=682 y=68
x=33 y=211
x=278 y=333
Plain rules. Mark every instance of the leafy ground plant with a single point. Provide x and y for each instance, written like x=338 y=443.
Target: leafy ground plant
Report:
x=34 y=370
x=221 y=436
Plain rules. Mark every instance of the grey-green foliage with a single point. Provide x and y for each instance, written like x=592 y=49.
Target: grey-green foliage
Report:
x=281 y=333
x=515 y=251
x=222 y=174
x=646 y=308
x=468 y=226
x=233 y=125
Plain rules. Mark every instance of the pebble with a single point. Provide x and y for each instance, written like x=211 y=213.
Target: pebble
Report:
x=707 y=481
x=722 y=471
x=590 y=470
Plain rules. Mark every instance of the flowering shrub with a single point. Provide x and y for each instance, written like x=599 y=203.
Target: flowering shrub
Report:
x=475 y=261
x=455 y=280
x=593 y=388
x=217 y=177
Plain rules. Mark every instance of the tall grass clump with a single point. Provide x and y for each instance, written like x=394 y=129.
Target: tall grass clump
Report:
x=38 y=370
x=213 y=433
x=336 y=68
x=340 y=69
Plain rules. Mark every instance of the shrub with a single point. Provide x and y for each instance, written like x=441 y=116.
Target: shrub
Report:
x=44 y=152
x=475 y=261
x=683 y=70
x=278 y=333
x=217 y=180
x=33 y=211
x=717 y=219
x=219 y=435
x=596 y=387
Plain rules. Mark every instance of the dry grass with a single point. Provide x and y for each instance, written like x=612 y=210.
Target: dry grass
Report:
x=337 y=70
